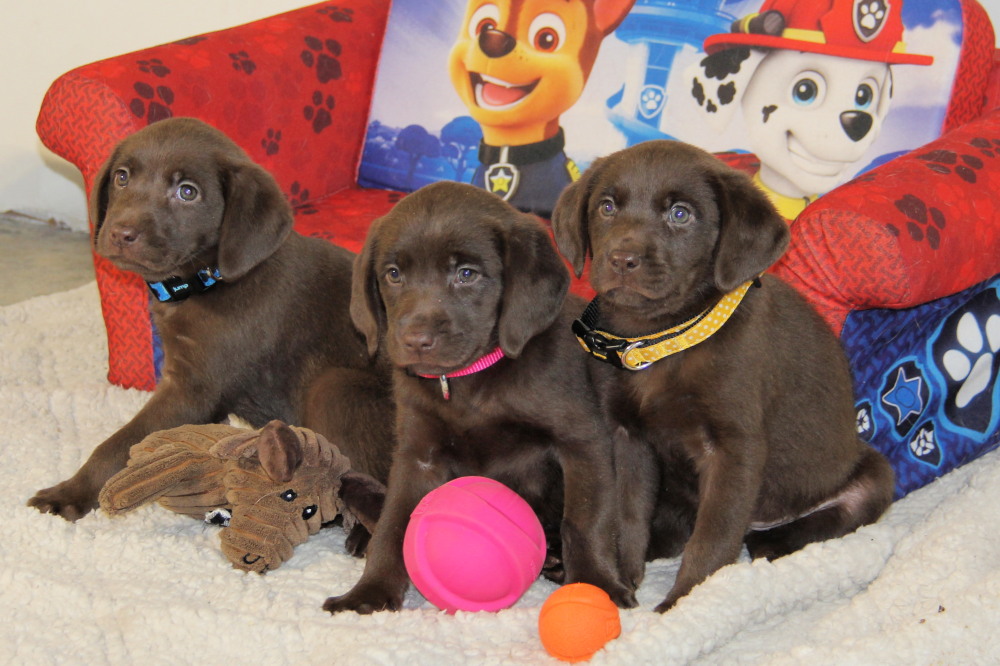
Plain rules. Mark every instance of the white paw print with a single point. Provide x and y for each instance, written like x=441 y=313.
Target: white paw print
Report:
x=872 y=14
x=650 y=100
x=973 y=363
x=923 y=443
x=863 y=420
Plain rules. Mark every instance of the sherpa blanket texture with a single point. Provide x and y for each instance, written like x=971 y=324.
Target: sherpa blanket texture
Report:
x=922 y=586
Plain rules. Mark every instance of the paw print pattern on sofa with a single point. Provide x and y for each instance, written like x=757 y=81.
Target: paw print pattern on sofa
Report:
x=319 y=112
x=321 y=56
x=966 y=352
x=924 y=223
x=242 y=62
x=338 y=14
x=271 y=143
x=155 y=67
x=152 y=103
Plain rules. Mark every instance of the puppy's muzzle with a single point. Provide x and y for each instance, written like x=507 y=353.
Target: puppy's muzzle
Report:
x=624 y=262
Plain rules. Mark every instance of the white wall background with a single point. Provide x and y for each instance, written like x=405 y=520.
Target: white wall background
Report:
x=40 y=41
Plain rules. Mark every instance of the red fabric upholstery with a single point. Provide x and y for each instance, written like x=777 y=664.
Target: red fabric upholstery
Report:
x=916 y=229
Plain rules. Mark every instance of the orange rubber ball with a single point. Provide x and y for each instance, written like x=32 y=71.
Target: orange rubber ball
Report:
x=576 y=621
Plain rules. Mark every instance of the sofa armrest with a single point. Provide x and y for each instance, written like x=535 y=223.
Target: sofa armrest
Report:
x=293 y=90
x=916 y=229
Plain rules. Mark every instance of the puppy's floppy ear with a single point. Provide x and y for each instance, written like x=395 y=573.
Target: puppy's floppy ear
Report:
x=535 y=283
x=97 y=206
x=256 y=220
x=367 y=311
x=570 y=220
x=752 y=235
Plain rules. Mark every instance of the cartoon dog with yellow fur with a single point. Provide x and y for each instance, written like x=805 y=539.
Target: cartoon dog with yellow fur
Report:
x=518 y=65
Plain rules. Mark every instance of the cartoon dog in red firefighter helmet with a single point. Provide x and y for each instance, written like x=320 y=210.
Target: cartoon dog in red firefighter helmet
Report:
x=813 y=80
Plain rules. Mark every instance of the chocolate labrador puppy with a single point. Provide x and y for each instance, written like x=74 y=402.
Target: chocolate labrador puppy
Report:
x=251 y=314
x=730 y=400
x=465 y=295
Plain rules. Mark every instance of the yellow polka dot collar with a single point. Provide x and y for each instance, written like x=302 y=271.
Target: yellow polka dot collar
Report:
x=639 y=353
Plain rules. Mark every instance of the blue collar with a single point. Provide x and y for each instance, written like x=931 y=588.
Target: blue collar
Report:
x=175 y=289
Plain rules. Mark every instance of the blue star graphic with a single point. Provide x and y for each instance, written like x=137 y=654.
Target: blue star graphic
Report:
x=904 y=396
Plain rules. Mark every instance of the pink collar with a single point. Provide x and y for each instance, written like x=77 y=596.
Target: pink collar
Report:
x=481 y=364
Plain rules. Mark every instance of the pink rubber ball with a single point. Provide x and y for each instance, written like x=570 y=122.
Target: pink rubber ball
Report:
x=473 y=544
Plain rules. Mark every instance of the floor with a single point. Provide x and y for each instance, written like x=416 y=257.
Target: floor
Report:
x=39 y=257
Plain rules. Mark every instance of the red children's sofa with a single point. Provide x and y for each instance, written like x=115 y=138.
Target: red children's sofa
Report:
x=295 y=90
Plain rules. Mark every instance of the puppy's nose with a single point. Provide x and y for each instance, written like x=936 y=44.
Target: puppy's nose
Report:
x=496 y=43
x=624 y=262
x=122 y=236
x=856 y=124
x=418 y=341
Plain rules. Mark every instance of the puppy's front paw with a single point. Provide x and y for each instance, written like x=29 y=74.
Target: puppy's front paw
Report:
x=623 y=596
x=365 y=599
x=67 y=499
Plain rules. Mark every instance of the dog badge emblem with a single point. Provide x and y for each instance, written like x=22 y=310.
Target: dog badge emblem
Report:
x=502 y=178
x=869 y=18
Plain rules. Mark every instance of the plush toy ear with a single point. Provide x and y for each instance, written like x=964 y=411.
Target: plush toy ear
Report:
x=279 y=451
x=256 y=219
x=570 y=221
x=367 y=311
x=535 y=283
x=752 y=235
x=276 y=446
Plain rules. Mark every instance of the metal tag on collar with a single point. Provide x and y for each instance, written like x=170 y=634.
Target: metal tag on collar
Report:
x=445 y=389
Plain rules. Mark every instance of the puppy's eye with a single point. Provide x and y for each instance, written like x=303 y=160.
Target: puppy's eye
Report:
x=187 y=192
x=121 y=177
x=393 y=275
x=680 y=214
x=607 y=207
x=309 y=511
x=289 y=495
x=466 y=275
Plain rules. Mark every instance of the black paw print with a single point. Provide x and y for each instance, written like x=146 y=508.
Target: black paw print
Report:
x=394 y=197
x=924 y=222
x=986 y=147
x=948 y=161
x=323 y=56
x=271 y=142
x=300 y=200
x=319 y=111
x=191 y=41
x=242 y=62
x=154 y=66
x=152 y=103
x=338 y=14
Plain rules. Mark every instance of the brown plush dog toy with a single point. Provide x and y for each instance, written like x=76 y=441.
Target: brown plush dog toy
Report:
x=270 y=489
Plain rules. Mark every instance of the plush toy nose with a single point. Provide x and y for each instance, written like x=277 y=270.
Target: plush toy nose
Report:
x=856 y=124
x=496 y=43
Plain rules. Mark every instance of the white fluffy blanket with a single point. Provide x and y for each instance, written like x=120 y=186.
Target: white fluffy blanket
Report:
x=922 y=586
